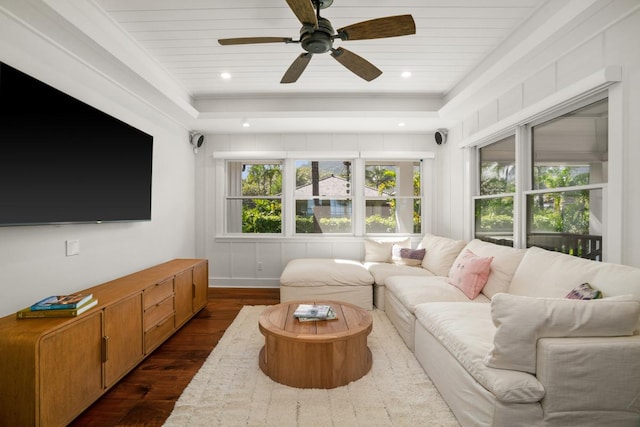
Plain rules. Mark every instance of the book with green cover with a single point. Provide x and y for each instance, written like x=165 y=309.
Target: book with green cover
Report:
x=62 y=302
x=28 y=313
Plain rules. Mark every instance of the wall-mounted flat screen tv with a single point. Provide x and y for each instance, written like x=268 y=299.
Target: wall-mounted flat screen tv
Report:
x=63 y=161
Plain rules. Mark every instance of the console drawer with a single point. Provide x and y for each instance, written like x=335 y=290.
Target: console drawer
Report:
x=156 y=335
x=154 y=314
x=159 y=292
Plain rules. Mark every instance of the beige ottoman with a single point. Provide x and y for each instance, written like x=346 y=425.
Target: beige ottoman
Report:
x=327 y=279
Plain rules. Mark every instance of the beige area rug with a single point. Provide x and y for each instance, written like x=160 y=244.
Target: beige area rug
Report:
x=231 y=390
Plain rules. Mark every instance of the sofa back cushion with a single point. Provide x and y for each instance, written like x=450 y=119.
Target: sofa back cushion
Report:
x=543 y=273
x=505 y=262
x=381 y=250
x=520 y=321
x=441 y=252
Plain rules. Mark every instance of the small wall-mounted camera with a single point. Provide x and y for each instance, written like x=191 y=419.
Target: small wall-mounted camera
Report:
x=441 y=136
x=196 y=140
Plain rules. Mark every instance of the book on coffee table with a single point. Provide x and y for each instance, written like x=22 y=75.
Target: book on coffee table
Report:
x=311 y=312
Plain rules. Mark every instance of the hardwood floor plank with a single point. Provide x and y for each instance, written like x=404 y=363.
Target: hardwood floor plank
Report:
x=146 y=396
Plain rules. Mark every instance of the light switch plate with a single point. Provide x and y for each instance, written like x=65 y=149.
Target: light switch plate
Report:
x=73 y=247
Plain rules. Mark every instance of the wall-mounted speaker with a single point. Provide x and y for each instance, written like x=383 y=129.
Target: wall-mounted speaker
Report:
x=196 y=140
x=441 y=136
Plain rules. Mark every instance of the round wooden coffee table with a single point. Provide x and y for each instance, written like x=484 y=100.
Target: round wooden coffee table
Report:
x=316 y=354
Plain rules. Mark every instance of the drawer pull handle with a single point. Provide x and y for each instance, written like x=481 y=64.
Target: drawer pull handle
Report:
x=163 y=322
x=105 y=348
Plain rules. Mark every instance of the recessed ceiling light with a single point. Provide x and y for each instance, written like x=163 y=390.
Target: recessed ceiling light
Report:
x=406 y=74
x=225 y=76
x=401 y=124
x=246 y=124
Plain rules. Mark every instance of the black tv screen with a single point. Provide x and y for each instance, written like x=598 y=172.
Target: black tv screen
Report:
x=63 y=161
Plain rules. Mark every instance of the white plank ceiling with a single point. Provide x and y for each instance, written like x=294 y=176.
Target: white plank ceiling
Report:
x=452 y=37
x=461 y=49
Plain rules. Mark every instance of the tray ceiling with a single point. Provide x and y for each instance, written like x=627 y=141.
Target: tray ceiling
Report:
x=173 y=45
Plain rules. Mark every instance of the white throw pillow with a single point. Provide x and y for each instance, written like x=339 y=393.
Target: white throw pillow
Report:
x=380 y=250
x=521 y=320
x=441 y=252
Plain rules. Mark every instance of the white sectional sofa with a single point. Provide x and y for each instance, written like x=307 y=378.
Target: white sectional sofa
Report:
x=519 y=353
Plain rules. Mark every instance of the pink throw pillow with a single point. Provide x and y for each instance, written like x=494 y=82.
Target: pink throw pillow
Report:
x=470 y=273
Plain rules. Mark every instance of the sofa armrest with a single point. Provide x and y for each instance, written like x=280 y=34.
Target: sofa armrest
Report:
x=591 y=377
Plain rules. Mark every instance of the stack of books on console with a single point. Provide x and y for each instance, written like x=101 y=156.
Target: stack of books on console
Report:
x=311 y=312
x=59 y=306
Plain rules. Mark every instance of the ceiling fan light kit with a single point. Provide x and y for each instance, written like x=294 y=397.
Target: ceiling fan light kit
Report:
x=317 y=36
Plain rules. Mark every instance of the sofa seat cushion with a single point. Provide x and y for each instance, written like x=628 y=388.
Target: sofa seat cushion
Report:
x=325 y=272
x=440 y=253
x=466 y=331
x=381 y=271
x=413 y=290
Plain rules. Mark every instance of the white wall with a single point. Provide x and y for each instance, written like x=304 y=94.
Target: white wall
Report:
x=33 y=264
x=233 y=261
x=609 y=37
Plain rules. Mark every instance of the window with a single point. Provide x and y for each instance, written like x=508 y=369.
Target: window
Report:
x=563 y=200
x=254 y=197
x=562 y=221
x=337 y=194
x=572 y=149
x=570 y=160
x=323 y=197
x=494 y=208
x=392 y=197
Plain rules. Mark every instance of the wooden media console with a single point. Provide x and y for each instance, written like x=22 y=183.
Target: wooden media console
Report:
x=52 y=369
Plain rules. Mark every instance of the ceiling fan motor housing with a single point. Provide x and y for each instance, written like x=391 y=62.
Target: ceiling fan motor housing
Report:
x=319 y=40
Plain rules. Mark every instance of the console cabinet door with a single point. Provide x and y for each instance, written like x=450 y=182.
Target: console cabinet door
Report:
x=184 y=296
x=191 y=292
x=201 y=285
x=70 y=370
x=123 y=337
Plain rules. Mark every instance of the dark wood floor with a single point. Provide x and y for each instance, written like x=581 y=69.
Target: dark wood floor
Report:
x=146 y=396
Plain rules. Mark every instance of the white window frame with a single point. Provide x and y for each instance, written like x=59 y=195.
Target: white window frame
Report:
x=292 y=206
x=395 y=162
x=229 y=197
x=612 y=202
x=287 y=160
x=476 y=180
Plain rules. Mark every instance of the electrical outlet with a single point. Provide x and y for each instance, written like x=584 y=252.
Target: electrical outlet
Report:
x=73 y=247
x=259 y=266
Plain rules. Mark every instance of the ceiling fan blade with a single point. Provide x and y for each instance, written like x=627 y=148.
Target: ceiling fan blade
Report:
x=296 y=68
x=252 y=40
x=391 y=26
x=357 y=64
x=304 y=11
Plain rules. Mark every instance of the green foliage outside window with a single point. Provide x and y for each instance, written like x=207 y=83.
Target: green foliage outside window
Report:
x=561 y=212
x=304 y=224
x=262 y=180
x=262 y=216
x=265 y=215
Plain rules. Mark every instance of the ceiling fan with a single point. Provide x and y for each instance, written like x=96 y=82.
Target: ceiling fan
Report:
x=317 y=36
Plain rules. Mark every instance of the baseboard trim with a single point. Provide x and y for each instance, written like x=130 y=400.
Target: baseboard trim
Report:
x=243 y=283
